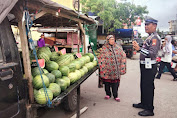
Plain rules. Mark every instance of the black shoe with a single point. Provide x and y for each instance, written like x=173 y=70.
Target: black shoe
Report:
x=146 y=113
x=139 y=105
x=175 y=79
x=157 y=77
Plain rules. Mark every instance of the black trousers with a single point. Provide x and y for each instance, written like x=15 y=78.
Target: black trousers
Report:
x=147 y=86
x=168 y=65
x=114 y=87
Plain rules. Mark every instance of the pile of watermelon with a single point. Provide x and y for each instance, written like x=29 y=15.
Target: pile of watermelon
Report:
x=58 y=73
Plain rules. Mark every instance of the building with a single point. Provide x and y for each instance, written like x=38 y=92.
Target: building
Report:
x=173 y=26
x=72 y=4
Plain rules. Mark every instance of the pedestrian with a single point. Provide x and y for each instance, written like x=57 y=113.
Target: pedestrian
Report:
x=166 y=58
x=112 y=63
x=174 y=55
x=174 y=51
x=148 y=67
x=41 y=41
x=119 y=42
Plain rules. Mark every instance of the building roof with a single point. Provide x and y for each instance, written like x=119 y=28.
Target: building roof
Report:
x=46 y=12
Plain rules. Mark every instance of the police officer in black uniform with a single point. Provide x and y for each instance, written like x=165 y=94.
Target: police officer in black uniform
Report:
x=148 y=67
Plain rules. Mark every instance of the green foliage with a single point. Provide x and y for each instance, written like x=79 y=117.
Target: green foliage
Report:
x=114 y=14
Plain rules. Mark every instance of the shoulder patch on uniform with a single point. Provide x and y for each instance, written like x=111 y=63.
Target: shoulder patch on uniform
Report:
x=154 y=42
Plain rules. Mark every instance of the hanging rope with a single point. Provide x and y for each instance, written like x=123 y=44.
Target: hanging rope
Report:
x=29 y=24
x=86 y=29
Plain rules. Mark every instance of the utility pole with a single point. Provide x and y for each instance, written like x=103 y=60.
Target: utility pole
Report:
x=176 y=26
x=79 y=6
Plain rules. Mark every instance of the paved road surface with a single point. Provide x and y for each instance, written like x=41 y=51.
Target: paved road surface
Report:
x=165 y=101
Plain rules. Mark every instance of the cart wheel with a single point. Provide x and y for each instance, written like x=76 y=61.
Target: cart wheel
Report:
x=70 y=103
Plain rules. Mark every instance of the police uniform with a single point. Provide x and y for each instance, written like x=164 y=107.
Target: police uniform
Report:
x=148 y=68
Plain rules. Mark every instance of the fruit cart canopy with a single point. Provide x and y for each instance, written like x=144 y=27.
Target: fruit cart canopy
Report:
x=6 y=7
x=66 y=16
x=124 y=33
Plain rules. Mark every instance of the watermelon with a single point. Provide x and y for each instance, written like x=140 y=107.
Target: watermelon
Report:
x=44 y=56
x=44 y=53
x=45 y=50
x=41 y=62
x=95 y=63
x=82 y=61
x=91 y=56
x=65 y=59
x=57 y=79
x=78 y=74
x=45 y=71
x=67 y=80
x=54 y=56
x=73 y=77
x=38 y=82
x=87 y=58
x=35 y=71
x=62 y=83
x=72 y=67
x=51 y=77
x=77 y=64
x=57 y=73
x=85 y=69
x=41 y=98
x=55 y=88
x=51 y=65
x=82 y=72
x=35 y=92
x=89 y=66
x=64 y=70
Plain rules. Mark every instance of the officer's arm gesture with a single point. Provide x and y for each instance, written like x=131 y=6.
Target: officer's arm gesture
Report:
x=136 y=46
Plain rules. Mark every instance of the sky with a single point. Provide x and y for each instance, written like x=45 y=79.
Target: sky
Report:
x=162 y=10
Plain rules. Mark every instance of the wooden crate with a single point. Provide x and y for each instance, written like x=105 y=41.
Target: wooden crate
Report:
x=49 y=41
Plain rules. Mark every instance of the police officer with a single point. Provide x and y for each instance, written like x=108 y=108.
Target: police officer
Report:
x=148 y=67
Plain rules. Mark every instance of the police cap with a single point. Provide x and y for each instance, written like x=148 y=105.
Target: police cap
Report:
x=149 y=19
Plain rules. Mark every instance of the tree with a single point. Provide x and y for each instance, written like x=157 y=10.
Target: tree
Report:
x=114 y=14
x=102 y=8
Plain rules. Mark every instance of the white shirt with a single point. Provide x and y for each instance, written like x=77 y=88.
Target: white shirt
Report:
x=168 y=56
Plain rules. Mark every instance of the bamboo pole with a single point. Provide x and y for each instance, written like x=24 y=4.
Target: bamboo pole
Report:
x=83 y=32
x=78 y=43
x=26 y=59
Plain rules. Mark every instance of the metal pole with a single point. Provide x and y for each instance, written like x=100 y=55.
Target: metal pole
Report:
x=78 y=102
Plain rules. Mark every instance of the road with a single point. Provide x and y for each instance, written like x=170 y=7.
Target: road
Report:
x=165 y=99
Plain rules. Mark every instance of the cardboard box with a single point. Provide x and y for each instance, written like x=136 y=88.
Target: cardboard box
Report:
x=51 y=38
x=49 y=41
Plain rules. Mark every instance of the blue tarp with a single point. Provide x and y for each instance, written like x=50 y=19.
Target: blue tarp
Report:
x=124 y=33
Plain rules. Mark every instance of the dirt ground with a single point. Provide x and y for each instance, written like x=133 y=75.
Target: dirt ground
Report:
x=165 y=99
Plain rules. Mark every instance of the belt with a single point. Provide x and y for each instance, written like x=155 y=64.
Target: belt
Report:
x=152 y=62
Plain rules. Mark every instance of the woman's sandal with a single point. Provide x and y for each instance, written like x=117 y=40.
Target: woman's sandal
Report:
x=117 y=99
x=107 y=97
